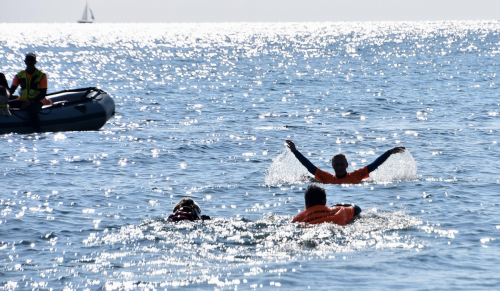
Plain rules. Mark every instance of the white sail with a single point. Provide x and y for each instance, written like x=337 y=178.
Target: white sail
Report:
x=85 y=17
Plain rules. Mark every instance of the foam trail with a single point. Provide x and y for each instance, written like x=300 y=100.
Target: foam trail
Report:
x=397 y=167
x=286 y=169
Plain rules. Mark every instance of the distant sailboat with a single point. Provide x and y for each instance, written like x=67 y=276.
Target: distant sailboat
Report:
x=85 y=16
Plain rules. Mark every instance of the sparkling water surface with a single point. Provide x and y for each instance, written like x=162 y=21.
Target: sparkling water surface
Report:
x=203 y=110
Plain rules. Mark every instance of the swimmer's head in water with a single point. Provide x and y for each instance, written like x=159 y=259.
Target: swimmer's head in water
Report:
x=339 y=164
x=186 y=202
x=314 y=195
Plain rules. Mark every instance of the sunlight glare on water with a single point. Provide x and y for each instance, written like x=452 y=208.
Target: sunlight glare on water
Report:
x=203 y=110
x=196 y=250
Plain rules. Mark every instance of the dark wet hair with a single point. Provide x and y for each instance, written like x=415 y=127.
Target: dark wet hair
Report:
x=315 y=195
x=339 y=155
x=186 y=202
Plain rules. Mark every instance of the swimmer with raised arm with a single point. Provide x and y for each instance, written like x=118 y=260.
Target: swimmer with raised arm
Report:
x=339 y=165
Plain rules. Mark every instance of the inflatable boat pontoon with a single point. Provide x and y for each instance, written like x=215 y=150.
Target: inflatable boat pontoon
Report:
x=72 y=110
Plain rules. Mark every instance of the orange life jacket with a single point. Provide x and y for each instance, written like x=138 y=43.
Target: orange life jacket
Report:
x=340 y=215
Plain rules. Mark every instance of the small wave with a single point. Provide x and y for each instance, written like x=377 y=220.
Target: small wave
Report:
x=268 y=238
x=210 y=247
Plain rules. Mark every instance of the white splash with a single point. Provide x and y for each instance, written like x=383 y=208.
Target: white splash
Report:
x=285 y=168
x=397 y=167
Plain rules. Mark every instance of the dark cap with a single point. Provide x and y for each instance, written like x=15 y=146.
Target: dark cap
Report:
x=31 y=56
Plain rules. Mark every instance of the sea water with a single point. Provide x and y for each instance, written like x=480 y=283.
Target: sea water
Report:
x=203 y=110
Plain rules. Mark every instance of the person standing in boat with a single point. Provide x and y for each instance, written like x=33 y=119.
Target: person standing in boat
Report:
x=33 y=84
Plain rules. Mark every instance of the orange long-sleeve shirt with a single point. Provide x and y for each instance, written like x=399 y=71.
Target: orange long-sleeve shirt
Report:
x=354 y=177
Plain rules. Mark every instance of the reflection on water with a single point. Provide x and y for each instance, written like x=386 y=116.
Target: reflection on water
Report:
x=187 y=253
x=203 y=110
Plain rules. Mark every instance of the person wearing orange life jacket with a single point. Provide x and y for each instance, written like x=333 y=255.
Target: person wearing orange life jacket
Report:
x=33 y=84
x=317 y=211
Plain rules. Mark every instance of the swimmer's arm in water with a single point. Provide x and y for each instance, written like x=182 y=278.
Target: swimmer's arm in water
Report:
x=373 y=166
x=357 y=209
x=303 y=160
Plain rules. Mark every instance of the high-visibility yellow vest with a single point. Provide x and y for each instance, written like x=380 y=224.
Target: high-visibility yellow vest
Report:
x=30 y=88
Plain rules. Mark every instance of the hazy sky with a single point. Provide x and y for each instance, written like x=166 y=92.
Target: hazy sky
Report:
x=248 y=10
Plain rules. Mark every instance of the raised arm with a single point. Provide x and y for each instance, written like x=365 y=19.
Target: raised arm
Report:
x=373 y=166
x=303 y=160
